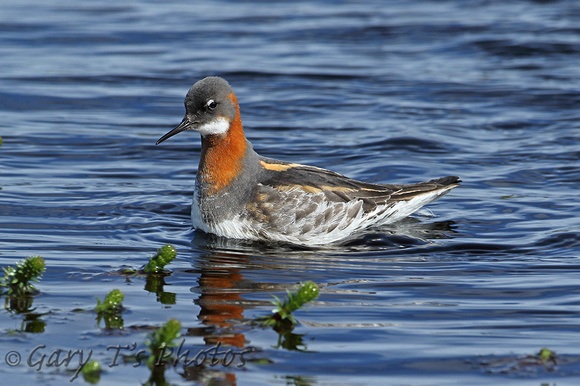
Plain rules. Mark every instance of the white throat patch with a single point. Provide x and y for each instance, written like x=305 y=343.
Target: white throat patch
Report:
x=220 y=125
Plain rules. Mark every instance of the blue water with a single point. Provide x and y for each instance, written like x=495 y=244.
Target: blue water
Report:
x=383 y=91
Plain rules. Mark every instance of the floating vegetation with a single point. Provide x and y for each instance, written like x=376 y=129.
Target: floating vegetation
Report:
x=164 y=256
x=544 y=360
x=113 y=302
x=18 y=280
x=110 y=309
x=161 y=343
x=547 y=355
x=160 y=340
x=156 y=264
x=19 y=290
x=282 y=318
x=155 y=271
x=92 y=372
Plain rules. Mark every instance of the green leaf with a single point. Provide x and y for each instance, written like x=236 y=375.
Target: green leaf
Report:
x=282 y=317
x=18 y=280
x=546 y=355
x=164 y=256
x=112 y=302
x=92 y=372
x=160 y=339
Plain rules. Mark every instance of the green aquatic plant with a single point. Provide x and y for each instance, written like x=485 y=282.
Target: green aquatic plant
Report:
x=546 y=355
x=164 y=256
x=155 y=272
x=282 y=318
x=543 y=360
x=19 y=290
x=92 y=372
x=110 y=309
x=18 y=280
x=160 y=340
x=113 y=302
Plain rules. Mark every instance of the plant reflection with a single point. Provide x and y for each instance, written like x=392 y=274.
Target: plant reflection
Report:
x=155 y=283
x=22 y=305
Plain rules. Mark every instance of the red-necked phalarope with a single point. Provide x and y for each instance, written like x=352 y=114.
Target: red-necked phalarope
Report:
x=240 y=194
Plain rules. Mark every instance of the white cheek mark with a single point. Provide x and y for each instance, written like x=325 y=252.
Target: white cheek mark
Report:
x=219 y=125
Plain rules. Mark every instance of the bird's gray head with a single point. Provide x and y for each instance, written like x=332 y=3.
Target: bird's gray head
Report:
x=210 y=107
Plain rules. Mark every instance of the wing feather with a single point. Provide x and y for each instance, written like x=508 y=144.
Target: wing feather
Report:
x=298 y=203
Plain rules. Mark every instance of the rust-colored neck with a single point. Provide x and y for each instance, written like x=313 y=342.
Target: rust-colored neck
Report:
x=222 y=155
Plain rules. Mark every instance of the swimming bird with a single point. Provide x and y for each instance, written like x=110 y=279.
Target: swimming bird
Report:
x=240 y=194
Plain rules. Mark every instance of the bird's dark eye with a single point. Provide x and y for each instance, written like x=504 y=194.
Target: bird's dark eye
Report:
x=211 y=104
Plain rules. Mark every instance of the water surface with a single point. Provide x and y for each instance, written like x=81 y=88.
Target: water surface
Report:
x=393 y=92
